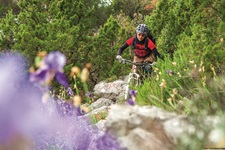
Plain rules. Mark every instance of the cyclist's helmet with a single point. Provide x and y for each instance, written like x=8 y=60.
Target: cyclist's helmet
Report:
x=142 y=28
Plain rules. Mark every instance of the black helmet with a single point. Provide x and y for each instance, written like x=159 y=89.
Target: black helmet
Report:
x=142 y=28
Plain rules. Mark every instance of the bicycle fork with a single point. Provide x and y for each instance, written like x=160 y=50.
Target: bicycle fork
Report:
x=133 y=80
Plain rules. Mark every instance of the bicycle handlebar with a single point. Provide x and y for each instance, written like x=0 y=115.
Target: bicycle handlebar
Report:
x=125 y=61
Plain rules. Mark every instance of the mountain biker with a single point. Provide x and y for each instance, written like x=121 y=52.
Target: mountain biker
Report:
x=144 y=49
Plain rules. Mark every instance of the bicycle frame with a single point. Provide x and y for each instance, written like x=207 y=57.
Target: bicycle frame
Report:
x=134 y=79
x=133 y=76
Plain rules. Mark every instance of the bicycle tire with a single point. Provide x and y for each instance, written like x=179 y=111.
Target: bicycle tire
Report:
x=148 y=74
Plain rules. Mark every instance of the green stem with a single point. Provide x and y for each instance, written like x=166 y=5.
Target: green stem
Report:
x=86 y=90
x=75 y=83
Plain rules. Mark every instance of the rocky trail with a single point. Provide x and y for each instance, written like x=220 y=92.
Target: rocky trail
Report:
x=139 y=127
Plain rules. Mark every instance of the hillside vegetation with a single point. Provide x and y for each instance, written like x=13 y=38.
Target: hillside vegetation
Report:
x=189 y=34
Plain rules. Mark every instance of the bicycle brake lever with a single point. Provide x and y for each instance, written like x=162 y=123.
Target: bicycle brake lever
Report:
x=123 y=61
x=154 y=63
x=119 y=60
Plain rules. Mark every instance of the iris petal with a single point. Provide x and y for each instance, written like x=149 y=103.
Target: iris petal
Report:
x=38 y=76
x=132 y=93
x=55 y=60
x=130 y=101
x=61 y=78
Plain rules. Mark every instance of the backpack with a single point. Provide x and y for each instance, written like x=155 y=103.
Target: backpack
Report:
x=149 y=35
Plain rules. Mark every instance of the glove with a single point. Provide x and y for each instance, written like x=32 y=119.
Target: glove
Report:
x=119 y=58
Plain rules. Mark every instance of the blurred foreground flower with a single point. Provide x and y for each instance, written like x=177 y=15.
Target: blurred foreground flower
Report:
x=84 y=75
x=51 y=125
x=107 y=140
x=51 y=67
x=75 y=71
x=70 y=92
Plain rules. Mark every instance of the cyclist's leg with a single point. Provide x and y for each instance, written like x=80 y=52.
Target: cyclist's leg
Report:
x=149 y=58
x=139 y=60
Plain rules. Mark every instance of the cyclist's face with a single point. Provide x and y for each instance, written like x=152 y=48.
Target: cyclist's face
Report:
x=140 y=36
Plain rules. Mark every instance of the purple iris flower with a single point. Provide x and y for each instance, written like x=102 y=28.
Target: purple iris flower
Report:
x=130 y=101
x=132 y=96
x=170 y=72
x=133 y=93
x=51 y=67
x=50 y=125
x=70 y=91
x=67 y=109
x=89 y=95
x=109 y=142
x=55 y=60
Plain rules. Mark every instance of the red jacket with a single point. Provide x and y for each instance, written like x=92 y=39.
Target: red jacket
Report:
x=141 y=48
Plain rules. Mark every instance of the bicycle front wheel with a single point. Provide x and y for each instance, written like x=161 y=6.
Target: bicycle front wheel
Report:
x=132 y=81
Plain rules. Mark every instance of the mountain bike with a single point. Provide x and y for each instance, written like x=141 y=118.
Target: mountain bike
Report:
x=140 y=72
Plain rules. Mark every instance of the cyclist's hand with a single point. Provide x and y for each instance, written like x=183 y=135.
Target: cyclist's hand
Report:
x=154 y=63
x=119 y=58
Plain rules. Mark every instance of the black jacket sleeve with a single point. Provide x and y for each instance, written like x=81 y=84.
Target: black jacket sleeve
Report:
x=122 y=48
x=156 y=53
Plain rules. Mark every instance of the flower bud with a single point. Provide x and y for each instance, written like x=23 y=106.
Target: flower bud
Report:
x=42 y=54
x=75 y=70
x=88 y=65
x=77 y=100
x=84 y=75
